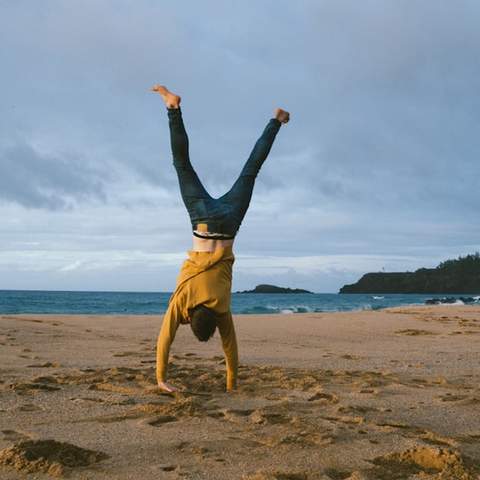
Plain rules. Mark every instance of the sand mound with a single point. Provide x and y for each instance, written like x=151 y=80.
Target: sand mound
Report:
x=440 y=462
x=48 y=456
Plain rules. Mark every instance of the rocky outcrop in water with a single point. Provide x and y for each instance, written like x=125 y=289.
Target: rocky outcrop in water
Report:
x=264 y=288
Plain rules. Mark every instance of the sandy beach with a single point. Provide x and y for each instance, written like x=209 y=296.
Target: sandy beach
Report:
x=390 y=394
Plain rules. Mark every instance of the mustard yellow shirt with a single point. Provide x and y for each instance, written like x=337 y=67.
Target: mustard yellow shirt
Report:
x=205 y=278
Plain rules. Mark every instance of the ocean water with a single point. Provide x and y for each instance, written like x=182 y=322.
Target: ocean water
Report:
x=23 y=301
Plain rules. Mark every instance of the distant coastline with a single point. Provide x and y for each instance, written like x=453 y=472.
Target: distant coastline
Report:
x=459 y=276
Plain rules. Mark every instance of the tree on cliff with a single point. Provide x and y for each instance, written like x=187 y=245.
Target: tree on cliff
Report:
x=468 y=265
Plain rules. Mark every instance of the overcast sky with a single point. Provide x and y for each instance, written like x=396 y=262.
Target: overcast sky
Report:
x=378 y=168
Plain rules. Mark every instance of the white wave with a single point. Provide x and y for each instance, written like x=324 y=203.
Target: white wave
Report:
x=378 y=298
x=456 y=302
x=291 y=308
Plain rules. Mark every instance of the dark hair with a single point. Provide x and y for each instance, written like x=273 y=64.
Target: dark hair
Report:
x=203 y=321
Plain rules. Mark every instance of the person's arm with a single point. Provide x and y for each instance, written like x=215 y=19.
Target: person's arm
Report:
x=229 y=344
x=170 y=323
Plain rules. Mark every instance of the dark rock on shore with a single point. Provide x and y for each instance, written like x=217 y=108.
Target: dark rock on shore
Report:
x=438 y=301
x=468 y=299
x=264 y=288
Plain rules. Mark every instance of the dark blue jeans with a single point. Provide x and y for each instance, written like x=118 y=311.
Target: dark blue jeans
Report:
x=225 y=214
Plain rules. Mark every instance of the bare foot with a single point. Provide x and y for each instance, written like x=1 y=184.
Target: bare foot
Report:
x=171 y=100
x=282 y=115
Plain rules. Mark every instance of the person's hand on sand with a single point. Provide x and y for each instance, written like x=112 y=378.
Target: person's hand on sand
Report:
x=166 y=387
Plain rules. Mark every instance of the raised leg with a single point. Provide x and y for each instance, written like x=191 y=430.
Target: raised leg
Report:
x=191 y=188
x=240 y=194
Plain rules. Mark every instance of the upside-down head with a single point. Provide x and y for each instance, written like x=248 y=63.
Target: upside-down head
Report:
x=203 y=322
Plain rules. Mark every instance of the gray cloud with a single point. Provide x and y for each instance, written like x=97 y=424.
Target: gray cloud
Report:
x=37 y=180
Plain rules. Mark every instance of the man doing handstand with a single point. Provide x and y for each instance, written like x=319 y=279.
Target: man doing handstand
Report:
x=203 y=290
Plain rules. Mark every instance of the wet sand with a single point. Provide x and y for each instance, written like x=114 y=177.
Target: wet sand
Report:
x=391 y=394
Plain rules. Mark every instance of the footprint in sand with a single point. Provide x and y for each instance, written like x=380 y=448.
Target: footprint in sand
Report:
x=129 y=354
x=433 y=437
x=347 y=419
x=165 y=467
x=448 y=397
x=45 y=365
x=299 y=439
x=111 y=387
x=390 y=426
x=373 y=391
x=14 y=436
x=469 y=438
x=26 y=388
x=159 y=421
x=45 y=379
x=278 y=475
x=29 y=407
x=323 y=397
x=414 y=331
x=263 y=417
x=356 y=409
x=347 y=356
x=87 y=400
x=184 y=356
x=336 y=473
x=233 y=415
